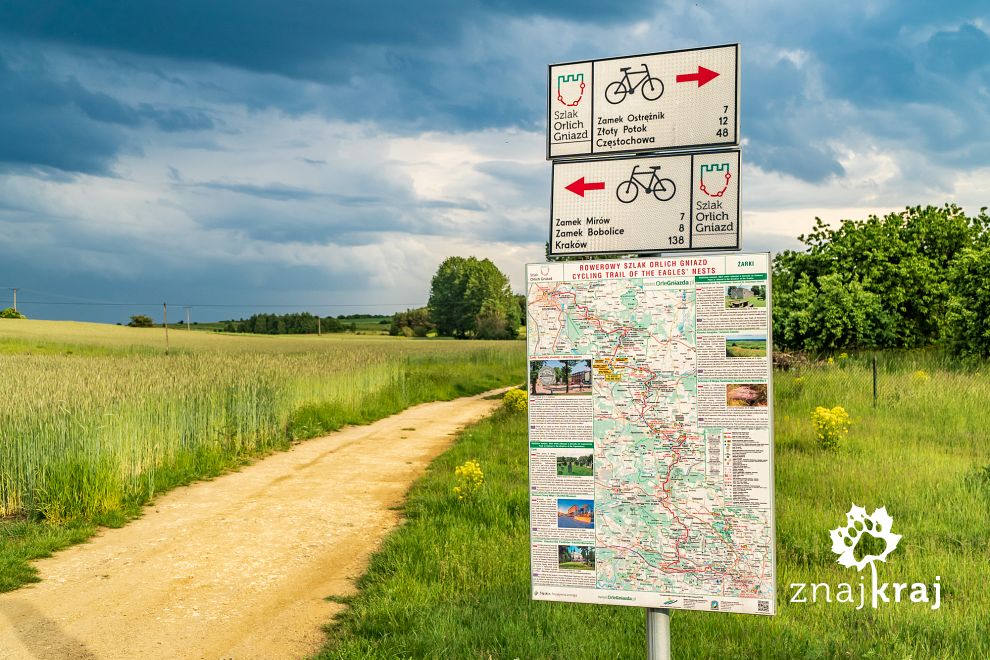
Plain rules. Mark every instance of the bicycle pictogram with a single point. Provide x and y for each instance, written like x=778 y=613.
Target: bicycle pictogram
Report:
x=663 y=189
x=649 y=86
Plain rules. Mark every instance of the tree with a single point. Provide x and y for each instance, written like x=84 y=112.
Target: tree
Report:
x=534 y=373
x=11 y=313
x=877 y=282
x=412 y=323
x=141 y=321
x=967 y=321
x=838 y=313
x=565 y=374
x=448 y=292
x=298 y=323
x=471 y=297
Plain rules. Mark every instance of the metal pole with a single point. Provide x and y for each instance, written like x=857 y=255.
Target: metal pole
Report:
x=874 y=381
x=657 y=633
x=15 y=300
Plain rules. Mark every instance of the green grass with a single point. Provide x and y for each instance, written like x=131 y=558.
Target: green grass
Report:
x=453 y=581
x=738 y=303
x=576 y=471
x=745 y=348
x=97 y=420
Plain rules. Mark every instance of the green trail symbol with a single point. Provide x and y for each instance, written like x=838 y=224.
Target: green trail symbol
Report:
x=713 y=172
x=570 y=85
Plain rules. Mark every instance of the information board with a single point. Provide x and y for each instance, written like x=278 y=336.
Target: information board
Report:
x=653 y=204
x=650 y=442
x=678 y=99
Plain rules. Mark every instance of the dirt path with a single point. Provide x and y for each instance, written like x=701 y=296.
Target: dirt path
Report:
x=237 y=567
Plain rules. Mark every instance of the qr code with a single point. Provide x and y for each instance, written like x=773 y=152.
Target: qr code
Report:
x=763 y=606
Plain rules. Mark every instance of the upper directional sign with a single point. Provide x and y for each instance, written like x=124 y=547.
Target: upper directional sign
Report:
x=676 y=100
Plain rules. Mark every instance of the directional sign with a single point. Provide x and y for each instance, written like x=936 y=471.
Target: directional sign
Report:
x=654 y=204
x=680 y=99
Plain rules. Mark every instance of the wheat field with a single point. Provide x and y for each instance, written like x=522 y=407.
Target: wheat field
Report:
x=96 y=419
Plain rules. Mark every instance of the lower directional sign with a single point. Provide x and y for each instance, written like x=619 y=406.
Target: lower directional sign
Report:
x=652 y=204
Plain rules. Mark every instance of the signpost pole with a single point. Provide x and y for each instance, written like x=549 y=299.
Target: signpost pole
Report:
x=657 y=633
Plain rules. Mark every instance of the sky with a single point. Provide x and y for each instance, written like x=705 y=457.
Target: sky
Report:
x=327 y=156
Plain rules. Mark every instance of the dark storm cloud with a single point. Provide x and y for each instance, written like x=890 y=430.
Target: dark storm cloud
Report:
x=303 y=38
x=46 y=123
x=398 y=63
x=51 y=122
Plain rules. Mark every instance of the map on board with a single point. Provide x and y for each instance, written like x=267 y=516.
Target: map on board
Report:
x=679 y=499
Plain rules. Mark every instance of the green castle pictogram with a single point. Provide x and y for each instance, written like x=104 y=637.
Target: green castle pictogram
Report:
x=714 y=169
x=562 y=80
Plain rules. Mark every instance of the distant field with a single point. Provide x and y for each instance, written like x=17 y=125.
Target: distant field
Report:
x=745 y=347
x=96 y=419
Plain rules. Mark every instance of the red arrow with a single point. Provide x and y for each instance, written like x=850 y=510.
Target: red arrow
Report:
x=703 y=76
x=579 y=186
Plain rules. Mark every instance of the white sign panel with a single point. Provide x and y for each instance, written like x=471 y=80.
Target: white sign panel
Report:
x=653 y=204
x=651 y=432
x=679 y=99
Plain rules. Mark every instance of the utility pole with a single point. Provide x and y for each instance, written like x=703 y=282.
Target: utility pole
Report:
x=187 y=318
x=15 y=299
x=165 y=318
x=319 y=327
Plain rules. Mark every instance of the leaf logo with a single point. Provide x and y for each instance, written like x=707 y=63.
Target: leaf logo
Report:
x=860 y=528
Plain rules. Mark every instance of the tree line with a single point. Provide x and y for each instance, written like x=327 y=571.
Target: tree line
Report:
x=301 y=323
x=908 y=279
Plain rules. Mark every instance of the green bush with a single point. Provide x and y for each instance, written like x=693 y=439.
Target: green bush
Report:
x=881 y=282
x=967 y=321
x=11 y=313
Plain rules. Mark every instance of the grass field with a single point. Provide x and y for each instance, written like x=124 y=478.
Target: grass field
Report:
x=575 y=471
x=454 y=580
x=745 y=348
x=97 y=419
